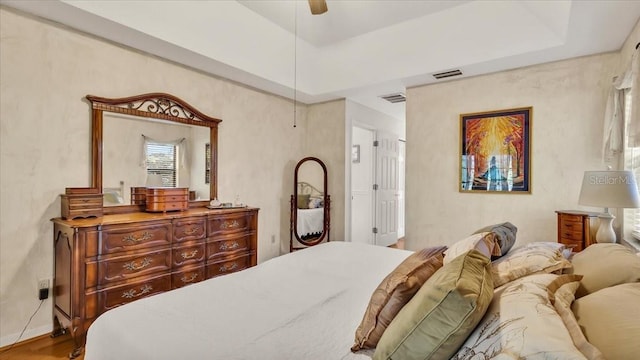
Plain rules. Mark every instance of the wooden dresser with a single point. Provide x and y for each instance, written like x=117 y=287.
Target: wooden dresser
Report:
x=105 y=262
x=576 y=229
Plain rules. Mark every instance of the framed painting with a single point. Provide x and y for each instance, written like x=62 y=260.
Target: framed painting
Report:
x=496 y=151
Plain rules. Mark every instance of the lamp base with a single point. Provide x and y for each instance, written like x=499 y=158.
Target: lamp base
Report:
x=605 y=232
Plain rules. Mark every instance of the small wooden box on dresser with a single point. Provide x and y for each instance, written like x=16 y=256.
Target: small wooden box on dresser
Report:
x=576 y=229
x=105 y=262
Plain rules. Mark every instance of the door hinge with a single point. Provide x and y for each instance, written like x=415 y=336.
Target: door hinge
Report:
x=376 y=143
x=375 y=186
x=375 y=230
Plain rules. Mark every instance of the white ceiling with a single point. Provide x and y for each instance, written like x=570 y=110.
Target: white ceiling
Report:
x=359 y=49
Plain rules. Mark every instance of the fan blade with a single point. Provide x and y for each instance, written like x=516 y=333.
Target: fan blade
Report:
x=318 y=6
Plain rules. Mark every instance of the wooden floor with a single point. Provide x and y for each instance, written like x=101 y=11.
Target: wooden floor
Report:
x=40 y=348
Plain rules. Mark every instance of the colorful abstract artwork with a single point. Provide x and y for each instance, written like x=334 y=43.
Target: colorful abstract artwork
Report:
x=495 y=151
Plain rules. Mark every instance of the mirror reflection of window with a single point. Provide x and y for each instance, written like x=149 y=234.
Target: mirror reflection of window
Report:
x=162 y=165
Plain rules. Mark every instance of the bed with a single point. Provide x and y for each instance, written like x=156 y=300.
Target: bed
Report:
x=308 y=305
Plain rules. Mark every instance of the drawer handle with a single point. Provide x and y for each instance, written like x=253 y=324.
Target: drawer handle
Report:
x=230 y=224
x=134 y=267
x=229 y=246
x=132 y=238
x=191 y=231
x=225 y=268
x=191 y=255
x=186 y=279
x=133 y=293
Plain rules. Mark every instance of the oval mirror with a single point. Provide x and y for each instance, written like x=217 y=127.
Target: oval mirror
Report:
x=310 y=203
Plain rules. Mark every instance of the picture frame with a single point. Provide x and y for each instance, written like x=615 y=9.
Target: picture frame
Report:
x=495 y=151
x=355 y=154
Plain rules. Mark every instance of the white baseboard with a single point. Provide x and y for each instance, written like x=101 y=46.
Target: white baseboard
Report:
x=28 y=334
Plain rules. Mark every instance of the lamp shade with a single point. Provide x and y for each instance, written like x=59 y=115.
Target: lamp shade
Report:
x=609 y=189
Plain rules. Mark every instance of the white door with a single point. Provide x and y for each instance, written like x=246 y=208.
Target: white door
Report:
x=387 y=154
x=362 y=175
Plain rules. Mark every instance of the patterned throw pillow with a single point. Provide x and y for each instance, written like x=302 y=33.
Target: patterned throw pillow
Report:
x=394 y=292
x=522 y=323
x=533 y=258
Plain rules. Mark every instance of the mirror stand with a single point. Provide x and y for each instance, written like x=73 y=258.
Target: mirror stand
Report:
x=310 y=220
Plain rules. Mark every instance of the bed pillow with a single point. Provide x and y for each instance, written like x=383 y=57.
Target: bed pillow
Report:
x=303 y=201
x=521 y=323
x=394 y=292
x=484 y=242
x=505 y=236
x=446 y=309
x=609 y=319
x=605 y=265
x=563 y=298
x=533 y=258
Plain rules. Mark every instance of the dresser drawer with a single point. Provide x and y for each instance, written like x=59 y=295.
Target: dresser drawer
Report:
x=189 y=229
x=572 y=235
x=571 y=226
x=228 y=244
x=229 y=223
x=120 y=295
x=228 y=265
x=117 y=238
x=571 y=218
x=187 y=255
x=128 y=267
x=186 y=277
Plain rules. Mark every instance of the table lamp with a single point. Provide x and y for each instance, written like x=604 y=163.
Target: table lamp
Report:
x=609 y=189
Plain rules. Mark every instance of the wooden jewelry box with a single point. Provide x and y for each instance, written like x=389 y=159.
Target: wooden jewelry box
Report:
x=81 y=203
x=161 y=199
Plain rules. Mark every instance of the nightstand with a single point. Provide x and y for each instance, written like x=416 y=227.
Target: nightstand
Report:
x=576 y=229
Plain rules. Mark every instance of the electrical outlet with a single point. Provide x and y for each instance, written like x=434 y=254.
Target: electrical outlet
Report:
x=43 y=289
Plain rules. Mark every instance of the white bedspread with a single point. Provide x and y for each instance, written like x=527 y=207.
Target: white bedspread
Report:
x=310 y=221
x=301 y=306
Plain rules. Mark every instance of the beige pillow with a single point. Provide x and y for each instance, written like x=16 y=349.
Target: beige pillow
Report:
x=521 y=323
x=303 y=201
x=605 y=265
x=437 y=320
x=563 y=299
x=485 y=242
x=610 y=320
x=533 y=258
x=394 y=292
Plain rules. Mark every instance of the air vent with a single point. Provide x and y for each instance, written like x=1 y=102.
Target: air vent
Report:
x=395 y=98
x=446 y=74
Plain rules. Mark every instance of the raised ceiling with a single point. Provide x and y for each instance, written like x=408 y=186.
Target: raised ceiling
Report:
x=359 y=49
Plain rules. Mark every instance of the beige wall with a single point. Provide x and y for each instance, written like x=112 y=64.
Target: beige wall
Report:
x=45 y=72
x=325 y=139
x=568 y=99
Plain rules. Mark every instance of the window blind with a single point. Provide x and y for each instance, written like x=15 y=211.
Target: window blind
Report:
x=161 y=160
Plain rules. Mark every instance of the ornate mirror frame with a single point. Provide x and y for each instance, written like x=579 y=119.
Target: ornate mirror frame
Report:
x=326 y=224
x=154 y=106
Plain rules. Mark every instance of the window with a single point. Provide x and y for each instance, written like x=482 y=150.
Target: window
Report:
x=632 y=162
x=161 y=164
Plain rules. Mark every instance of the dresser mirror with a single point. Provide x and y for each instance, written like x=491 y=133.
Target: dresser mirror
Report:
x=310 y=204
x=125 y=132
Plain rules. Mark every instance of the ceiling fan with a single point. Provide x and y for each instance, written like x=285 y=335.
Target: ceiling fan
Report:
x=318 y=6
